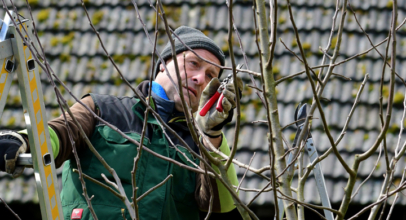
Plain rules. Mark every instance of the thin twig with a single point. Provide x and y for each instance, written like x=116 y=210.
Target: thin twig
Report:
x=324 y=52
x=302 y=61
x=155 y=187
x=401 y=124
x=245 y=59
x=295 y=122
x=354 y=106
x=341 y=76
x=7 y=207
x=275 y=177
x=101 y=184
x=123 y=214
x=381 y=99
x=330 y=39
x=110 y=182
x=211 y=201
x=367 y=51
x=245 y=173
x=298 y=74
x=259 y=121
x=400 y=188
x=310 y=205
x=254 y=190
x=304 y=205
x=296 y=156
x=256 y=88
x=396 y=197
x=369 y=176
x=370 y=41
x=137 y=158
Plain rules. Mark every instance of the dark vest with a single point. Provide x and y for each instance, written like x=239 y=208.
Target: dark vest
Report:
x=174 y=200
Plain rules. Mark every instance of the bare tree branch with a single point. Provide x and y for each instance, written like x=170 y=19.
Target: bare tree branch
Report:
x=270 y=97
x=235 y=82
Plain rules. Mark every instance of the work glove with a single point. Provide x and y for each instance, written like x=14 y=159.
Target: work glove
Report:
x=213 y=121
x=11 y=145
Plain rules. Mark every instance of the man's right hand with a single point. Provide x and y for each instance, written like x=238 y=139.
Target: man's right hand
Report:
x=213 y=122
x=11 y=145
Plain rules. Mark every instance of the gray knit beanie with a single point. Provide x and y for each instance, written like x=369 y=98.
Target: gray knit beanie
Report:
x=194 y=39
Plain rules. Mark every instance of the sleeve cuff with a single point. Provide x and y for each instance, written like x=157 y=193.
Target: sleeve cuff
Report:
x=54 y=140
x=223 y=148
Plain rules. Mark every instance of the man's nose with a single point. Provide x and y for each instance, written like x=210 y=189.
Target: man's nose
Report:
x=199 y=77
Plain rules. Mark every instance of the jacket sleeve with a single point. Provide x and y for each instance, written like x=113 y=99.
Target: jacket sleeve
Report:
x=222 y=199
x=61 y=143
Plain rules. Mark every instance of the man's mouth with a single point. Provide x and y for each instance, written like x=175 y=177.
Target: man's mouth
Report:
x=190 y=89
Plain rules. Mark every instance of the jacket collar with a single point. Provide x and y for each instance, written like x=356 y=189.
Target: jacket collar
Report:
x=143 y=88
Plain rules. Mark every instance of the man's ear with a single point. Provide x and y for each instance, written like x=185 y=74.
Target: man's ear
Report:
x=161 y=67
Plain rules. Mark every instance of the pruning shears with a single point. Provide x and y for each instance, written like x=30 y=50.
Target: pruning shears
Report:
x=4 y=26
x=218 y=95
x=300 y=116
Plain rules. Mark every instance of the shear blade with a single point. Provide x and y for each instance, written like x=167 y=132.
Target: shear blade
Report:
x=301 y=113
x=296 y=110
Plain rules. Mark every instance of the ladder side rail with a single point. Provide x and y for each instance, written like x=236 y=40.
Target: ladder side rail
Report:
x=35 y=117
x=6 y=73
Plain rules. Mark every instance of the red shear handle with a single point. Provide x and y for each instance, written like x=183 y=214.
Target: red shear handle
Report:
x=219 y=106
x=209 y=104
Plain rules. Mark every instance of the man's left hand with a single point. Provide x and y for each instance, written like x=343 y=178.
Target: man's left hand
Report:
x=11 y=145
x=213 y=121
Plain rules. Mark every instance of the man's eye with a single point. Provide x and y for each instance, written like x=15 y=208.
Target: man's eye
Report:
x=210 y=76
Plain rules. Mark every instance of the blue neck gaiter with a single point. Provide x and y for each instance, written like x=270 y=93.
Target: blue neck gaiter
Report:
x=159 y=90
x=164 y=106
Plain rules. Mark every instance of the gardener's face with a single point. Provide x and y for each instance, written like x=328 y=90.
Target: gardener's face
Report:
x=195 y=74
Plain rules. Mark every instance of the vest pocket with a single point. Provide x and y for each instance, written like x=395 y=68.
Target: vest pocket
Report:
x=117 y=151
x=111 y=136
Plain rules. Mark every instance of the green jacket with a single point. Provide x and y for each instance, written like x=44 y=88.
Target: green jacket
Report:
x=176 y=199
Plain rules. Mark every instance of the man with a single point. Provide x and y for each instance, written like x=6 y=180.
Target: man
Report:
x=184 y=194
